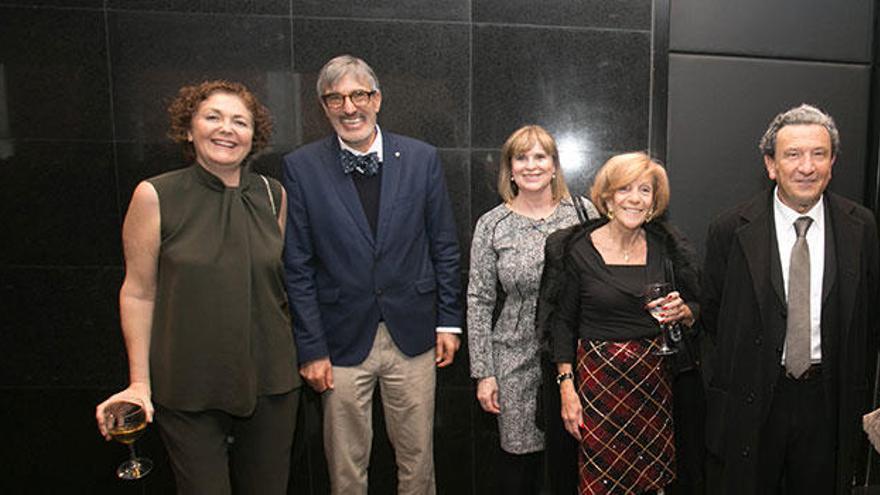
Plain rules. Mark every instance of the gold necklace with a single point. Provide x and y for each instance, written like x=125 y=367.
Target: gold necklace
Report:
x=626 y=251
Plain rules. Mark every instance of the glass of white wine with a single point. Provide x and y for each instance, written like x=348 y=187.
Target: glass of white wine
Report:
x=654 y=291
x=126 y=422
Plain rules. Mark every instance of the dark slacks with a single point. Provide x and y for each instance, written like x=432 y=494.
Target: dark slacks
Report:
x=520 y=474
x=796 y=445
x=218 y=453
x=689 y=418
x=560 y=448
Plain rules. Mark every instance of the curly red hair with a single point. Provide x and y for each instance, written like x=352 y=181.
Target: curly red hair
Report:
x=188 y=99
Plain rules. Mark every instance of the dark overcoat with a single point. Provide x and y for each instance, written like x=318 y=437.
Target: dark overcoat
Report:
x=744 y=310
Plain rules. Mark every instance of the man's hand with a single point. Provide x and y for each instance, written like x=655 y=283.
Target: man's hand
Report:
x=447 y=344
x=318 y=374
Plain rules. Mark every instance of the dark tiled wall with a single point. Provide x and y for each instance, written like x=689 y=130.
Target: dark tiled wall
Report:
x=83 y=90
x=734 y=65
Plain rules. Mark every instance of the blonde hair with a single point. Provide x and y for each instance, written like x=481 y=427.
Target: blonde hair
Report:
x=623 y=169
x=521 y=141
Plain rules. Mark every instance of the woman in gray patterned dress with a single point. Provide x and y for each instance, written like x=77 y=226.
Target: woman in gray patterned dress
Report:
x=508 y=248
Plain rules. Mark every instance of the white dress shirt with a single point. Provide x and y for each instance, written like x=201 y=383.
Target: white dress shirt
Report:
x=784 y=217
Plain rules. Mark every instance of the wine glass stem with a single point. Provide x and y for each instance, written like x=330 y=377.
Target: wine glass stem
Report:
x=131 y=451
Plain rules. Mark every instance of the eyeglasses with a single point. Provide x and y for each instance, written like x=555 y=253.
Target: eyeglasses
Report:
x=358 y=98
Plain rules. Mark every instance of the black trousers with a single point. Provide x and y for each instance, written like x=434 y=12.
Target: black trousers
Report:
x=689 y=417
x=520 y=474
x=560 y=448
x=796 y=453
x=218 y=453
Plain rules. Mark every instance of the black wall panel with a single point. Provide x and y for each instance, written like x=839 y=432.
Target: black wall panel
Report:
x=719 y=107
x=808 y=29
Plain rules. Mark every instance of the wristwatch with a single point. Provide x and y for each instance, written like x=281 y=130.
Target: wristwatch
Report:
x=568 y=375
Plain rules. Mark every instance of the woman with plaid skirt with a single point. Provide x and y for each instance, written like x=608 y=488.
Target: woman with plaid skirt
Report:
x=616 y=391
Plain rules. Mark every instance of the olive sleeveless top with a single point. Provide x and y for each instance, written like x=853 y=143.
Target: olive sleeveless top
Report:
x=221 y=333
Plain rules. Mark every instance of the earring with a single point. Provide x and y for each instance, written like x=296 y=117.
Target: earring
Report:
x=650 y=215
x=553 y=176
x=610 y=214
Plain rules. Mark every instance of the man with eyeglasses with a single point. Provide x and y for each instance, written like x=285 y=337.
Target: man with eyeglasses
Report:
x=372 y=274
x=790 y=296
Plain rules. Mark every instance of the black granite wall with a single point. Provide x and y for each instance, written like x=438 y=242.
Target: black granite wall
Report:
x=83 y=90
x=735 y=65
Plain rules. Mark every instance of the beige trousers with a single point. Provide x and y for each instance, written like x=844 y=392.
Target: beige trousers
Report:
x=407 y=387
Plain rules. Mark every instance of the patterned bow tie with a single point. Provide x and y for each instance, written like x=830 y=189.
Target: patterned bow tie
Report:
x=366 y=165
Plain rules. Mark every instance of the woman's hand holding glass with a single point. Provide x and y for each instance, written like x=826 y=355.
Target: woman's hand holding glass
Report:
x=125 y=422
x=672 y=309
x=137 y=393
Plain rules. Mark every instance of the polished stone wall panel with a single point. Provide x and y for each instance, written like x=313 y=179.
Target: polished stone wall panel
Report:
x=626 y=14
x=61 y=327
x=268 y=7
x=484 y=183
x=524 y=75
x=308 y=472
x=57 y=448
x=423 y=71
x=447 y=10
x=719 y=107
x=456 y=165
x=460 y=75
x=486 y=450
x=61 y=206
x=801 y=29
x=154 y=54
x=53 y=75
x=454 y=462
x=69 y=4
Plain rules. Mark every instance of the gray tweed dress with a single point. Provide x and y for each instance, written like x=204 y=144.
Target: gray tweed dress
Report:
x=509 y=248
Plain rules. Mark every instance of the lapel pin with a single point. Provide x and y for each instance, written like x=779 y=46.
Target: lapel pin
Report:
x=396 y=154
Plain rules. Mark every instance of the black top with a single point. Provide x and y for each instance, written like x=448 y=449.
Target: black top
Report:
x=604 y=302
x=586 y=299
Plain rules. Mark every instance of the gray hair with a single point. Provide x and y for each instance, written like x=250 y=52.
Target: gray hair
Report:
x=341 y=66
x=802 y=115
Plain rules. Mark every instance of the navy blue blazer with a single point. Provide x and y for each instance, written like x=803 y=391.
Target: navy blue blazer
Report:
x=341 y=280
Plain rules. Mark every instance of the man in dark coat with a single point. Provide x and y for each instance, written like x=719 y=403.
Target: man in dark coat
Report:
x=786 y=394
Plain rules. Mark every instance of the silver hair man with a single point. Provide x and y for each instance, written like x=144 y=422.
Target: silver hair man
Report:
x=343 y=65
x=802 y=115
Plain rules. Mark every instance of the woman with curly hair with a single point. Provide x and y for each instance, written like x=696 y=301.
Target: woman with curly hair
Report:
x=202 y=306
x=614 y=386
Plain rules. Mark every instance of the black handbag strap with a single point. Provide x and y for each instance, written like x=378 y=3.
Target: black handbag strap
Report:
x=580 y=209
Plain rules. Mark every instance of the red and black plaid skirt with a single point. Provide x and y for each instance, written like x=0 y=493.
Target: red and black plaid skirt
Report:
x=626 y=395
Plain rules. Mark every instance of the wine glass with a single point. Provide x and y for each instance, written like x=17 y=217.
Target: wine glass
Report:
x=126 y=422
x=654 y=291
